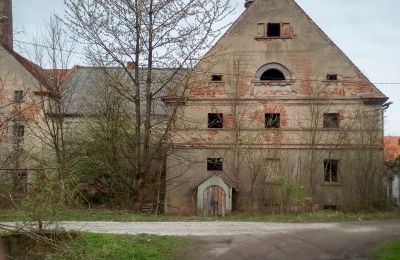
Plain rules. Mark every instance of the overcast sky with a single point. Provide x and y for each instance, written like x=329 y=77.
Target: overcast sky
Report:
x=366 y=30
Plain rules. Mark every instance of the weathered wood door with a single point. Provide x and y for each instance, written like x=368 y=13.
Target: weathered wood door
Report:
x=214 y=201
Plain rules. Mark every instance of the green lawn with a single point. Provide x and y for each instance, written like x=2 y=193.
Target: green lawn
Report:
x=388 y=251
x=105 y=246
x=125 y=216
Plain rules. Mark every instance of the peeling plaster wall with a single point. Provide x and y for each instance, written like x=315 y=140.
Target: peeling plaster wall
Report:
x=14 y=77
x=308 y=55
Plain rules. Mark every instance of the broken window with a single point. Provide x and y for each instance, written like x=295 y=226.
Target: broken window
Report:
x=331 y=120
x=214 y=164
x=215 y=120
x=331 y=170
x=332 y=77
x=272 y=120
x=274 y=30
x=216 y=77
x=272 y=74
x=18 y=131
x=18 y=95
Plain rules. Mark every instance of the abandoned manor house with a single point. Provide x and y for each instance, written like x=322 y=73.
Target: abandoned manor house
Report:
x=275 y=116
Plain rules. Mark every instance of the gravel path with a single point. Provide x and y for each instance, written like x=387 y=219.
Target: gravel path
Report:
x=218 y=228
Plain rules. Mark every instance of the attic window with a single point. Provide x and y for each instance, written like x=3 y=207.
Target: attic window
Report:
x=18 y=131
x=273 y=30
x=214 y=164
x=272 y=74
x=215 y=120
x=216 y=77
x=332 y=77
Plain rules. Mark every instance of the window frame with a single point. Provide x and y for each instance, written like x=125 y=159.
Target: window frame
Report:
x=219 y=124
x=328 y=121
x=215 y=164
x=18 y=96
x=18 y=131
x=331 y=176
x=272 y=126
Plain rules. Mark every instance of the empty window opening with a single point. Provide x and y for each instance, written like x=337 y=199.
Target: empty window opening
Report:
x=216 y=77
x=272 y=74
x=330 y=207
x=331 y=120
x=215 y=120
x=214 y=164
x=331 y=170
x=332 y=77
x=272 y=120
x=274 y=30
x=18 y=95
x=18 y=131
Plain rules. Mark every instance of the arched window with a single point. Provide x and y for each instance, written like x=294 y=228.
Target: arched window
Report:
x=272 y=74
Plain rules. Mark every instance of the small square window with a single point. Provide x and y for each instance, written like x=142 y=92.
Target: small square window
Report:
x=216 y=77
x=331 y=120
x=331 y=170
x=214 y=164
x=274 y=30
x=18 y=131
x=332 y=77
x=215 y=120
x=18 y=95
x=272 y=120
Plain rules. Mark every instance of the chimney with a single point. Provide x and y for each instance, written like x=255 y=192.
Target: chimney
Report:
x=130 y=65
x=248 y=3
x=6 y=24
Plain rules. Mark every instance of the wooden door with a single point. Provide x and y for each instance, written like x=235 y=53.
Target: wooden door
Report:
x=214 y=201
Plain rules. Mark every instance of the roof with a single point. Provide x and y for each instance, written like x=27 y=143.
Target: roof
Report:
x=35 y=70
x=85 y=88
x=392 y=147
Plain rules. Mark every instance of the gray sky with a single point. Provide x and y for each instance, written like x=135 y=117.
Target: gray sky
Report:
x=366 y=30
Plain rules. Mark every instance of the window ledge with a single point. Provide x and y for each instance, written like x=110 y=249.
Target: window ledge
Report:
x=273 y=37
x=334 y=184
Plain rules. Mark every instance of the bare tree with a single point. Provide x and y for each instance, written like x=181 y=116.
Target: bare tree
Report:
x=152 y=34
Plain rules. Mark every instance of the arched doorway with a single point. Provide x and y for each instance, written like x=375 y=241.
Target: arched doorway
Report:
x=214 y=201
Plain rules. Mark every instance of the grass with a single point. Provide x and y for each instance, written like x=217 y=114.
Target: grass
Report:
x=125 y=216
x=388 y=251
x=106 y=246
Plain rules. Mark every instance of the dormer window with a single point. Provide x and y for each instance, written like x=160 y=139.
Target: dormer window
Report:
x=272 y=74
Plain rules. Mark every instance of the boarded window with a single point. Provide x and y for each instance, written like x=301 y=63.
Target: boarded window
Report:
x=215 y=120
x=274 y=30
x=214 y=164
x=285 y=30
x=331 y=120
x=331 y=170
x=18 y=131
x=261 y=29
x=272 y=74
x=216 y=77
x=272 y=120
x=332 y=77
x=18 y=95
